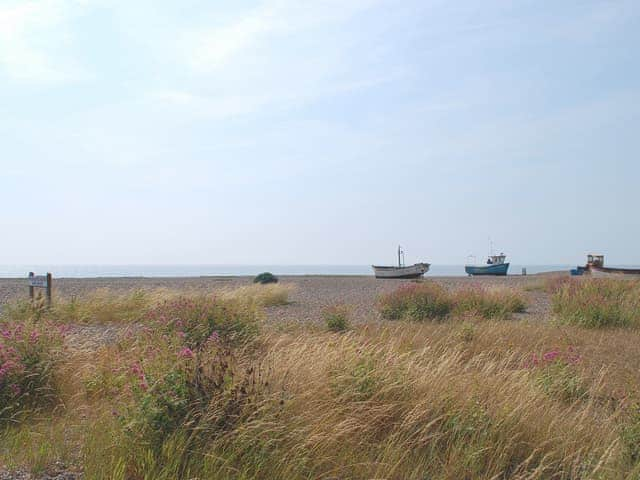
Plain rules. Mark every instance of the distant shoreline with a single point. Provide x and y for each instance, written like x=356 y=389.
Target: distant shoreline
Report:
x=17 y=271
x=284 y=277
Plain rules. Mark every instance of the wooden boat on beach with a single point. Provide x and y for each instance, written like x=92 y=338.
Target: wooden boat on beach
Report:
x=495 y=265
x=595 y=267
x=401 y=271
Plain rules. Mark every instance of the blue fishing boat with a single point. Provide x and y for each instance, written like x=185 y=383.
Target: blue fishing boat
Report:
x=495 y=265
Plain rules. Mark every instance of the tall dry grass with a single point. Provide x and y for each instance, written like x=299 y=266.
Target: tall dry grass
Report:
x=480 y=399
x=400 y=401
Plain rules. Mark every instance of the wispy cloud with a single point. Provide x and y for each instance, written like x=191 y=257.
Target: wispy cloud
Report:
x=209 y=49
x=33 y=39
x=276 y=56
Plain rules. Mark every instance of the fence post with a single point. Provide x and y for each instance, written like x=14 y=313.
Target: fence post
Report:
x=49 y=288
x=31 y=274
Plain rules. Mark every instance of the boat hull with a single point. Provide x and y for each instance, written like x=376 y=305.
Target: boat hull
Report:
x=412 y=271
x=499 y=269
x=612 y=271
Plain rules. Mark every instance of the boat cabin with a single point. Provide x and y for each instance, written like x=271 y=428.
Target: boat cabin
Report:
x=496 y=259
x=595 y=260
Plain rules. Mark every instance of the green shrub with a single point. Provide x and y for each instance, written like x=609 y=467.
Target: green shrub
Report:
x=265 y=277
x=598 y=303
x=200 y=391
x=336 y=318
x=416 y=301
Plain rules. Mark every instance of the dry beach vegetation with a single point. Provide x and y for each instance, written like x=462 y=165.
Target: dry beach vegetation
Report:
x=429 y=380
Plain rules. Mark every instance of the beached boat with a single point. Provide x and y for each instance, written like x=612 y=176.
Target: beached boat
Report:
x=401 y=271
x=595 y=266
x=495 y=265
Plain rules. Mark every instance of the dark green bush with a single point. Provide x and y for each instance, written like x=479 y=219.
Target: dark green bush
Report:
x=265 y=277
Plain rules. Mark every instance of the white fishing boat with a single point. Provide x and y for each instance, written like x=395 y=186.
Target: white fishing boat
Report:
x=402 y=270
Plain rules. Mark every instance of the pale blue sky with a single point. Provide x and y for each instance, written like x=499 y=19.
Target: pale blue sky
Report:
x=318 y=132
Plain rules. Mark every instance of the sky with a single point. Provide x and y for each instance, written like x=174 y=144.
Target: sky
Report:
x=318 y=131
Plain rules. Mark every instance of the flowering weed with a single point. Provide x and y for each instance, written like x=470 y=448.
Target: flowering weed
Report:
x=28 y=354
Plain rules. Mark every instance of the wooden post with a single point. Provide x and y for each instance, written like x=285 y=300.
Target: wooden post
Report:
x=49 y=287
x=31 y=274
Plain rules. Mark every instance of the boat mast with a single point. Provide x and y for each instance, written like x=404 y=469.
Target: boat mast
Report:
x=400 y=255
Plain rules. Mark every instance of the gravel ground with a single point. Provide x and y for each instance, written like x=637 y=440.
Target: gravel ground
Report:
x=56 y=472
x=312 y=294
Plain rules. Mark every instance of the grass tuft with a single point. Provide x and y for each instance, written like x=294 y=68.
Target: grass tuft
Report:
x=417 y=301
x=268 y=295
x=336 y=318
x=428 y=301
x=597 y=303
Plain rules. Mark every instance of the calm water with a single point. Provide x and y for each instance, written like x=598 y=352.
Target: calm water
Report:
x=91 y=271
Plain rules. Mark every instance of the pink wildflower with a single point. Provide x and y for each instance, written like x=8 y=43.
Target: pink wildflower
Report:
x=551 y=356
x=186 y=352
x=136 y=368
x=214 y=337
x=64 y=329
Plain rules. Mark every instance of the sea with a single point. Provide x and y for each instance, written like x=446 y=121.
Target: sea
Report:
x=94 y=271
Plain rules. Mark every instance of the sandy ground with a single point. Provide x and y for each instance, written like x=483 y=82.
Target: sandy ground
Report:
x=309 y=296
